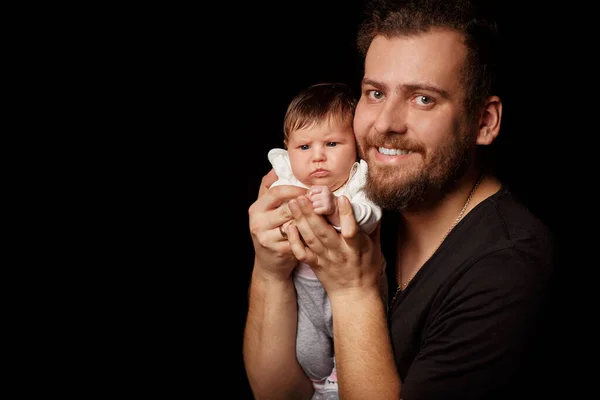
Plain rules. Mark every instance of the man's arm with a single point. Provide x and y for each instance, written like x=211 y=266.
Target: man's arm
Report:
x=270 y=341
x=269 y=345
x=349 y=267
x=365 y=364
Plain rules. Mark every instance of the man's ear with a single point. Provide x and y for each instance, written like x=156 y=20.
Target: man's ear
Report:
x=489 y=126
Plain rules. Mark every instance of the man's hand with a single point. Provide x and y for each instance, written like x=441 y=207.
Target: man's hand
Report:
x=267 y=181
x=273 y=256
x=346 y=261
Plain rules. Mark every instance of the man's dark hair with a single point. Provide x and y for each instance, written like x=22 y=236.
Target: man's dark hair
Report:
x=473 y=19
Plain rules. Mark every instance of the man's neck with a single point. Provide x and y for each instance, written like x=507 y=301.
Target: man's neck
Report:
x=421 y=233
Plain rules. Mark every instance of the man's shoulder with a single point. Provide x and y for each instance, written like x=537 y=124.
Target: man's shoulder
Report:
x=505 y=222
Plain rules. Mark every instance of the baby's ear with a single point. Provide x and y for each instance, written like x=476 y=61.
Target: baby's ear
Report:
x=285 y=143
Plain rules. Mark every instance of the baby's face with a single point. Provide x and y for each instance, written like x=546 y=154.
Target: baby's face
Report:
x=323 y=154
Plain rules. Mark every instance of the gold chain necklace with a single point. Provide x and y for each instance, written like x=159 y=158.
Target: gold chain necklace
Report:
x=402 y=286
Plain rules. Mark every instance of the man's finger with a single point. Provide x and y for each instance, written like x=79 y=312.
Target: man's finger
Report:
x=274 y=199
x=276 y=196
x=347 y=219
x=298 y=247
x=267 y=181
x=312 y=227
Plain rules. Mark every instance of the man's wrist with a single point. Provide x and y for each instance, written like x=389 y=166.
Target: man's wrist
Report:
x=269 y=275
x=354 y=295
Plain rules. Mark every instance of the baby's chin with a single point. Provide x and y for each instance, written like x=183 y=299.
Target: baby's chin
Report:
x=333 y=185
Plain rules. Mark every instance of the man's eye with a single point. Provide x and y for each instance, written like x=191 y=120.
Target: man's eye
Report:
x=424 y=100
x=375 y=94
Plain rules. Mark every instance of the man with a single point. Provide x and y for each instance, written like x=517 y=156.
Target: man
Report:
x=471 y=265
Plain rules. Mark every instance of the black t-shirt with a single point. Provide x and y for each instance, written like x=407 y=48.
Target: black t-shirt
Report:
x=467 y=326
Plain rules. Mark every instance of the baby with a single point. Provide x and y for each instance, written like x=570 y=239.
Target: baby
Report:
x=321 y=155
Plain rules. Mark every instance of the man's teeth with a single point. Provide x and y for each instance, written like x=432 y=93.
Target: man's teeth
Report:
x=393 y=152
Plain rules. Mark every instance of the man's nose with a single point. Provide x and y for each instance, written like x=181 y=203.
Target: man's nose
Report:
x=391 y=118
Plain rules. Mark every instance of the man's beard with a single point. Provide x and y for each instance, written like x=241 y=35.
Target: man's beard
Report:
x=395 y=189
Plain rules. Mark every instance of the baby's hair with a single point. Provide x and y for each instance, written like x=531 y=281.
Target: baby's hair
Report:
x=316 y=103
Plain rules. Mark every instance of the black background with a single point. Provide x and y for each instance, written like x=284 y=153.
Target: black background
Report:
x=216 y=84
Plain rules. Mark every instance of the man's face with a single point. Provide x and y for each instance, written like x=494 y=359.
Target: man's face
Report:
x=409 y=122
x=323 y=154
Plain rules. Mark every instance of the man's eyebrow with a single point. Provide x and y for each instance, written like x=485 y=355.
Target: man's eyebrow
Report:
x=367 y=81
x=410 y=87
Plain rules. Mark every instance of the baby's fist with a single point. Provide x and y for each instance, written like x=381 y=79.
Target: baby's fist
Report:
x=323 y=200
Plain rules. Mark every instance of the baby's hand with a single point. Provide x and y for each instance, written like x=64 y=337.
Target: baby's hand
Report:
x=323 y=200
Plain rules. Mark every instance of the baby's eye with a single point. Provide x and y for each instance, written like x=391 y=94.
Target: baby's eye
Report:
x=332 y=144
x=304 y=147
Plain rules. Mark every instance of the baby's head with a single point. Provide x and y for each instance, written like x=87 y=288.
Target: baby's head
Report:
x=318 y=134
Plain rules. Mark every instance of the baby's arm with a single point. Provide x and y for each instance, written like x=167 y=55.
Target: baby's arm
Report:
x=367 y=213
